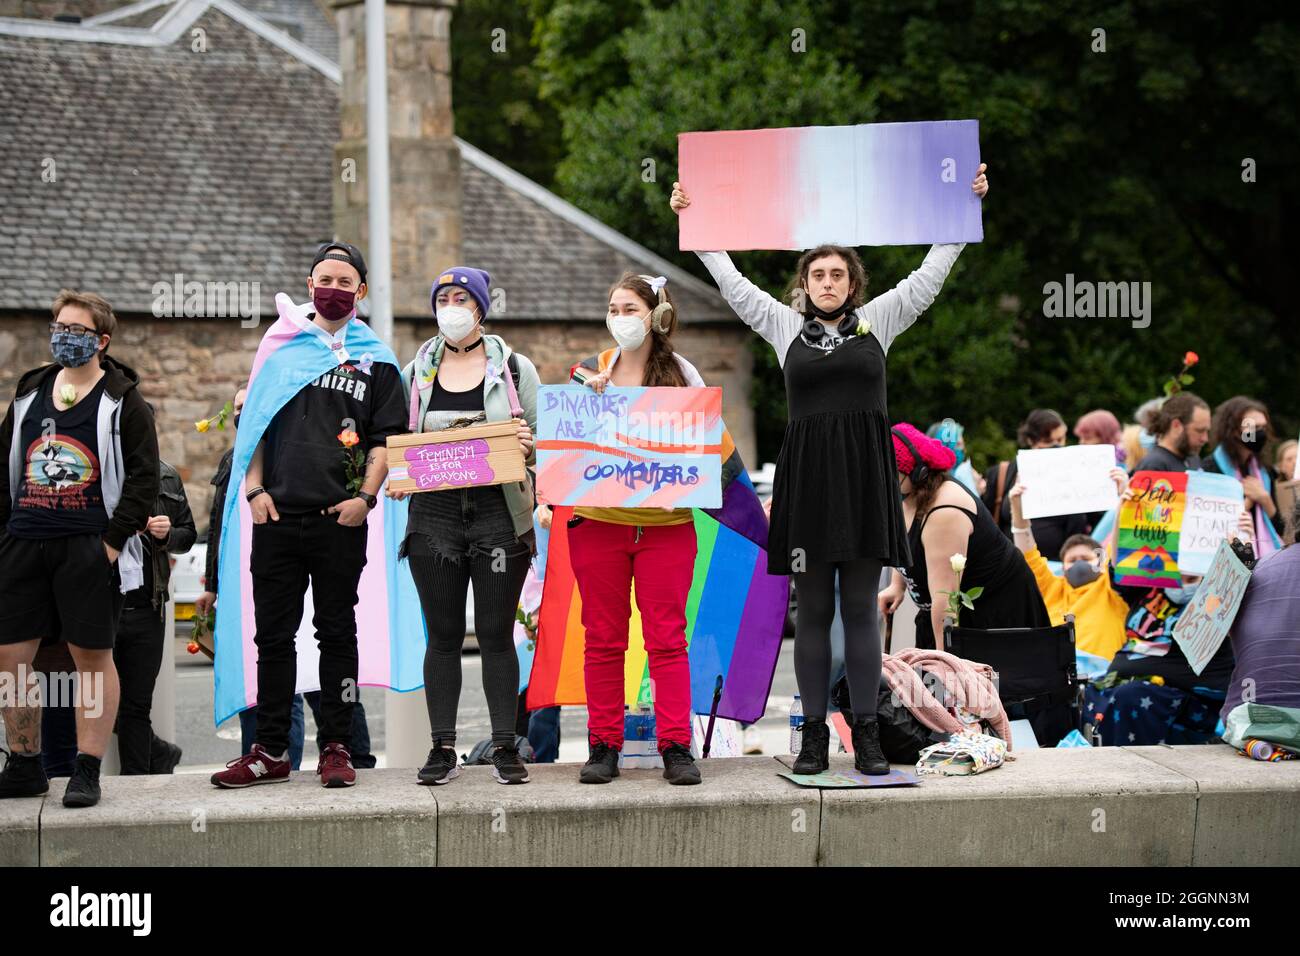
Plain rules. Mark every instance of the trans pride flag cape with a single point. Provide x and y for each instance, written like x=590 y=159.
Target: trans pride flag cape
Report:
x=390 y=628
x=735 y=610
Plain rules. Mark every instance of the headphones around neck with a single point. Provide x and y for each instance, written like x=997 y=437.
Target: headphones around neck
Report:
x=814 y=330
x=920 y=470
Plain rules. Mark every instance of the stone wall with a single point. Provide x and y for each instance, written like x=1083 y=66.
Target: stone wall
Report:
x=189 y=368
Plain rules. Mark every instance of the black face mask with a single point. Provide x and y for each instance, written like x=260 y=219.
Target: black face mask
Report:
x=236 y=419
x=1257 y=443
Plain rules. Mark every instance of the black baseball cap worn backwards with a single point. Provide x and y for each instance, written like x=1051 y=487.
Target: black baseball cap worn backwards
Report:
x=343 y=252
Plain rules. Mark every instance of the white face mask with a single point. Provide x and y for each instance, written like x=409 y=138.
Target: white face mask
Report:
x=455 y=322
x=628 y=330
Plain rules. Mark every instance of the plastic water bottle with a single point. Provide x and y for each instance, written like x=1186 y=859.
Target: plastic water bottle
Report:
x=796 y=725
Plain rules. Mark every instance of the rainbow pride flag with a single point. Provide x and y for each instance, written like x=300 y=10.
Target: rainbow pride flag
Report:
x=390 y=626
x=735 y=610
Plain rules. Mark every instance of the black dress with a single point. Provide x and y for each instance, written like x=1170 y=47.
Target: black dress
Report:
x=1011 y=597
x=835 y=493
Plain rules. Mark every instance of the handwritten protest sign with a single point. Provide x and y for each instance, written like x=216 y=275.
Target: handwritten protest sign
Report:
x=877 y=184
x=1205 y=622
x=455 y=458
x=1173 y=525
x=1149 y=525
x=630 y=447
x=1067 y=481
x=1214 y=503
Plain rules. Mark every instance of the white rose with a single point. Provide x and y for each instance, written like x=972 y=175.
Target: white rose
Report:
x=958 y=562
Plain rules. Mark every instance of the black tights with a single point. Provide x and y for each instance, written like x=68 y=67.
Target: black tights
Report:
x=859 y=585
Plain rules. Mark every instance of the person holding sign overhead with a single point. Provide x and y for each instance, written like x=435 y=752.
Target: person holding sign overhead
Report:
x=478 y=533
x=835 y=511
x=611 y=549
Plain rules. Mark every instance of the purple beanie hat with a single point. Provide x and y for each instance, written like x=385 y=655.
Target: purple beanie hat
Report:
x=473 y=281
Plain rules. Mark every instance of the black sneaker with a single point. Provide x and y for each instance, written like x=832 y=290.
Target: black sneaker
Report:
x=601 y=765
x=507 y=767
x=868 y=758
x=83 y=785
x=815 y=748
x=23 y=776
x=679 y=765
x=441 y=767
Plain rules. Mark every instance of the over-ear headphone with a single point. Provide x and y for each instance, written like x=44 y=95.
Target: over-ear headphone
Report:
x=662 y=314
x=814 y=330
x=920 y=470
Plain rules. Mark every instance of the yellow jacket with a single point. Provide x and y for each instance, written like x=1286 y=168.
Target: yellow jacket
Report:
x=1099 y=613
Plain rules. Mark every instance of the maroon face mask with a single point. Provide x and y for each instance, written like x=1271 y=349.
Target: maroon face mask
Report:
x=333 y=305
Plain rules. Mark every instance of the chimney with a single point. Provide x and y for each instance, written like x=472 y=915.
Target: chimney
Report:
x=424 y=163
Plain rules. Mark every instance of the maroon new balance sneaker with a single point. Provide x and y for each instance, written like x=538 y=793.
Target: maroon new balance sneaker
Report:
x=335 y=767
x=256 y=766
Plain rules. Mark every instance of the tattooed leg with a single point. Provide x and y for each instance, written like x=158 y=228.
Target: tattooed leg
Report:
x=22 y=713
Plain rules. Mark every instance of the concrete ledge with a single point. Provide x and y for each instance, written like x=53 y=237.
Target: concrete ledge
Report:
x=1246 y=810
x=742 y=815
x=183 y=820
x=20 y=831
x=1096 y=807
x=1159 y=806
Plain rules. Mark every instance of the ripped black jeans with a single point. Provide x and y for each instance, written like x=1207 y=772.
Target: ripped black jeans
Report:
x=455 y=538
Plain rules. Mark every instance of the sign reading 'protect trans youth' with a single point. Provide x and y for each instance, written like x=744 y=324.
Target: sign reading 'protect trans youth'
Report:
x=629 y=447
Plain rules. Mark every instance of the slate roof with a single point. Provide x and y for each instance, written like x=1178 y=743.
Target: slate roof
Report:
x=218 y=166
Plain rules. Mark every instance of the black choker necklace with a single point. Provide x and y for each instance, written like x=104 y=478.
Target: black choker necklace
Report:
x=466 y=348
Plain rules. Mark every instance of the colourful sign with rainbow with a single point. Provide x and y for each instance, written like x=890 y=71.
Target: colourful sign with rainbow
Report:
x=1150 y=524
x=877 y=184
x=629 y=447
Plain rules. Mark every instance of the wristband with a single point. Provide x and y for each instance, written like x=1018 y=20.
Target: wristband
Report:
x=1025 y=529
x=254 y=492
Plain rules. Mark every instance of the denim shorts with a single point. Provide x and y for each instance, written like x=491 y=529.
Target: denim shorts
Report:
x=465 y=522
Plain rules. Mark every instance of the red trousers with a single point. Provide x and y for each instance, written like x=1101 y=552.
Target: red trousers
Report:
x=607 y=558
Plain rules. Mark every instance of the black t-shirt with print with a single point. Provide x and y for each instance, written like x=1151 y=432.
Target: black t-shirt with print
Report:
x=303 y=461
x=60 y=490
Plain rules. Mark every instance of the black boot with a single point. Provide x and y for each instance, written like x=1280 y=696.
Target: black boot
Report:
x=813 y=751
x=83 y=787
x=23 y=776
x=868 y=758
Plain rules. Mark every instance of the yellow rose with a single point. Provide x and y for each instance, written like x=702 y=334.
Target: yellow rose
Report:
x=202 y=426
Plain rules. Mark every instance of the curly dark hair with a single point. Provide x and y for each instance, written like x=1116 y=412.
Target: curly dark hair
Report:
x=1038 y=425
x=858 y=276
x=1225 y=431
x=1179 y=407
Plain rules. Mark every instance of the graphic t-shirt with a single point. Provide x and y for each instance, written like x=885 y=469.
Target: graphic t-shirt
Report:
x=304 y=464
x=59 y=489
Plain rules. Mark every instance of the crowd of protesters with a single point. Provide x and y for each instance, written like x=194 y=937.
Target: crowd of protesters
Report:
x=91 y=515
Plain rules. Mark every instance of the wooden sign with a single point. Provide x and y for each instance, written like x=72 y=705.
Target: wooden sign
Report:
x=456 y=458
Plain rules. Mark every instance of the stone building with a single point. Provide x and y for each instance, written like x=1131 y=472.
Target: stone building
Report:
x=185 y=157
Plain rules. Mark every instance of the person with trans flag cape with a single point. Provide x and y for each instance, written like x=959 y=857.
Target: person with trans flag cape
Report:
x=297 y=509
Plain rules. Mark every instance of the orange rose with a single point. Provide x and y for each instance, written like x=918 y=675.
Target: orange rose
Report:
x=348 y=438
x=1190 y=359
x=192 y=647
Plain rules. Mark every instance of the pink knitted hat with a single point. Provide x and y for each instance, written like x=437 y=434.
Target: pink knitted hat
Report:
x=932 y=451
